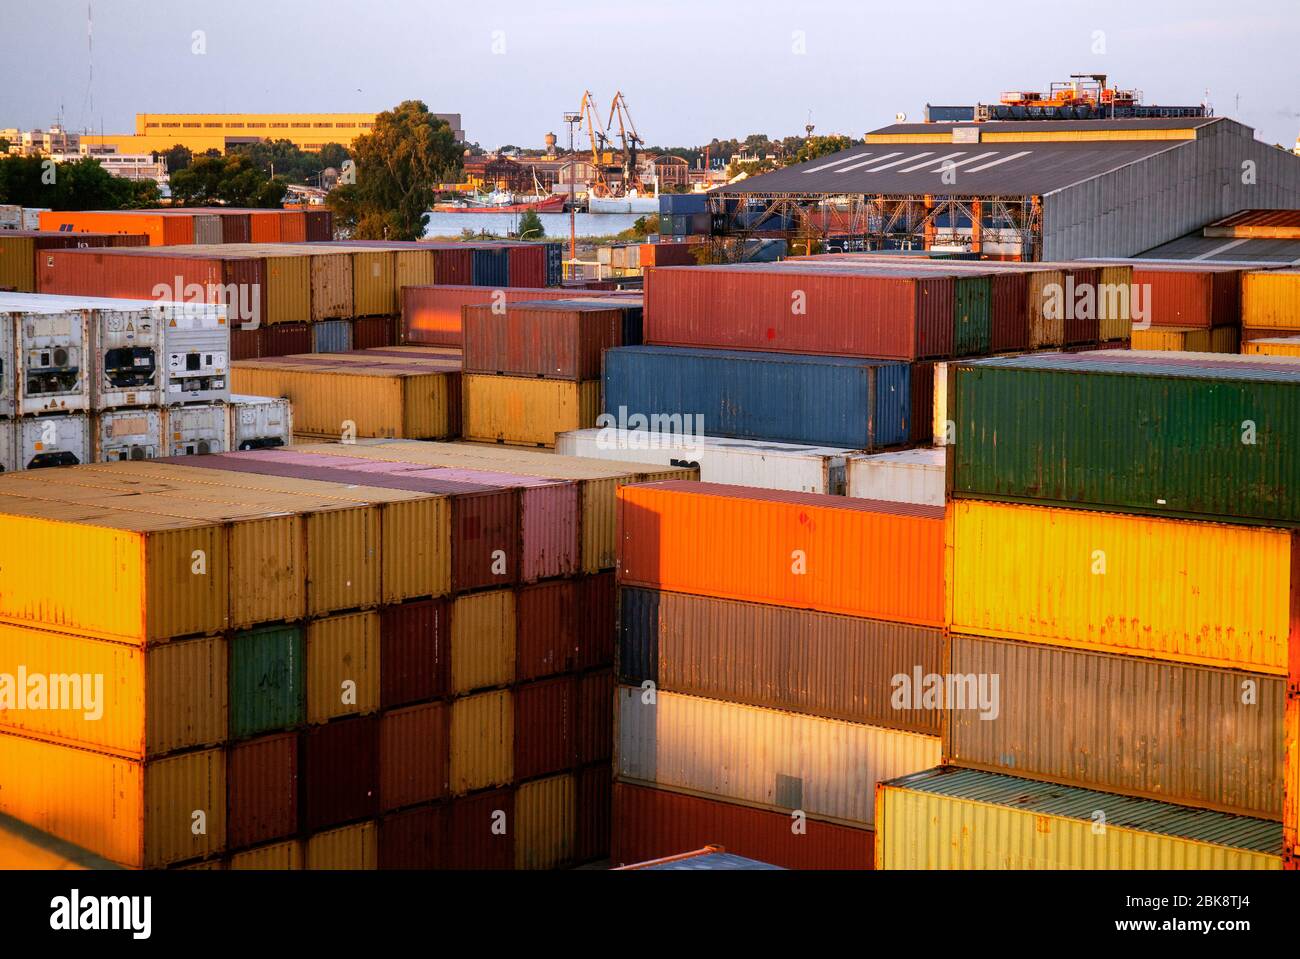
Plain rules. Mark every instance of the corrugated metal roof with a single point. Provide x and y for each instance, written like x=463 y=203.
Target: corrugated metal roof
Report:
x=980 y=169
x=1151 y=363
x=1283 y=218
x=1050 y=126
x=1075 y=802
x=1223 y=249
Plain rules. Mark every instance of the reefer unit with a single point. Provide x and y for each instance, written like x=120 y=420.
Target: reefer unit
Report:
x=195 y=430
x=51 y=341
x=53 y=441
x=786 y=466
x=955 y=818
x=817 y=400
x=259 y=422
x=128 y=435
x=909 y=476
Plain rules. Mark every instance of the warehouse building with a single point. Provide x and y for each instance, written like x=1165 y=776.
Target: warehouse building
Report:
x=1034 y=190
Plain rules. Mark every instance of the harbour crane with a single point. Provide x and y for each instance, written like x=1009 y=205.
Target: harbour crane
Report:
x=631 y=141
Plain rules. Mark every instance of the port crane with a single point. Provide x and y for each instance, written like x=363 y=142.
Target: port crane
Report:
x=599 y=141
x=630 y=139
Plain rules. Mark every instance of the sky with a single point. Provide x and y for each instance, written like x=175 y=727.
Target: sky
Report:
x=690 y=70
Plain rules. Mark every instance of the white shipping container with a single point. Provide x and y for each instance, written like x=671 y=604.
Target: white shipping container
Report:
x=8 y=363
x=781 y=466
x=195 y=430
x=11 y=217
x=765 y=757
x=128 y=435
x=941 y=430
x=8 y=446
x=51 y=372
x=32 y=217
x=44 y=441
x=259 y=422
x=909 y=476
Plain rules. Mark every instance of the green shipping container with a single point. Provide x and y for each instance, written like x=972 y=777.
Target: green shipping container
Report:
x=267 y=684
x=1191 y=435
x=972 y=299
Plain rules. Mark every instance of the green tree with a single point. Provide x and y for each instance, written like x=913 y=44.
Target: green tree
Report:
x=80 y=185
x=230 y=181
x=334 y=155
x=815 y=147
x=398 y=165
x=178 y=157
x=530 y=226
x=20 y=181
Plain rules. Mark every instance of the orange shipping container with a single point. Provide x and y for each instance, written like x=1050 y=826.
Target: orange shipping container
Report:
x=162 y=229
x=858 y=557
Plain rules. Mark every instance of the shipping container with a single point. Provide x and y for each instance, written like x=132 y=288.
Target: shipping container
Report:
x=319 y=225
x=650 y=823
x=350 y=847
x=1287 y=346
x=972 y=311
x=482 y=640
x=547 y=628
x=1291 y=772
x=111 y=697
x=1218 y=339
x=259 y=422
x=50 y=369
x=954 y=818
x=1185 y=436
x=862 y=558
x=594 y=723
x=374 y=332
x=1186 y=734
x=267 y=687
x=545 y=715
x=785 y=466
x=331 y=336
x=1192 y=294
x=415 y=652
x=161 y=228
x=594 y=806
x=909 y=476
x=340 y=776
x=546 y=820
x=598 y=626
x=414 y=755
x=128 y=435
x=138 y=814
x=1270 y=299
x=20 y=248
x=481 y=831
x=195 y=430
x=482 y=742
x=8 y=447
x=432 y=314
x=562 y=340
x=525 y=264
x=283 y=339
x=342 y=654
x=262 y=784
x=276 y=856
x=762 y=757
x=413 y=839
x=491 y=266
x=837 y=667
x=529 y=412
x=1202 y=593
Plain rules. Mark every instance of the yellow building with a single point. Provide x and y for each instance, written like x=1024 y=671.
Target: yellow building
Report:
x=218 y=131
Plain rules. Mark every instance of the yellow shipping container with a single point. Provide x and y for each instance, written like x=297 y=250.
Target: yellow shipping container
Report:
x=545 y=823
x=342 y=666
x=329 y=277
x=1043 y=331
x=1273 y=346
x=112 y=697
x=517 y=409
x=351 y=847
x=373 y=400
x=1219 y=339
x=1171 y=589
x=1291 y=778
x=482 y=640
x=1270 y=300
x=952 y=818
x=413 y=268
x=139 y=814
x=482 y=742
x=1116 y=324
x=598 y=479
x=374 y=289
x=279 y=855
x=17 y=263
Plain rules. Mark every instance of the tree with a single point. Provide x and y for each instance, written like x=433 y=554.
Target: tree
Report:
x=530 y=226
x=333 y=155
x=80 y=185
x=815 y=147
x=231 y=181
x=398 y=165
x=178 y=157
x=20 y=181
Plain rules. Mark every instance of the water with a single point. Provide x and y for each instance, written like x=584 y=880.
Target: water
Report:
x=555 y=224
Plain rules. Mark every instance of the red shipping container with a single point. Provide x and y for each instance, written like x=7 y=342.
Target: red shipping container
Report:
x=597 y=620
x=414 y=643
x=921 y=425
x=1080 y=329
x=318 y=225
x=262 y=790
x=244 y=344
x=595 y=722
x=414 y=753
x=653 y=823
x=374 y=332
x=281 y=339
x=413 y=839
x=431 y=315
x=481 y=832
x=547 y=637
x=1195 y=295
x=1008 y=313
x=544 y=727
x=341 y=772
x=453 y=264
x=595 y=806
x=868 y=312
x=236 y=228
x=526 y=264
x=667 y=254
x=562 y=340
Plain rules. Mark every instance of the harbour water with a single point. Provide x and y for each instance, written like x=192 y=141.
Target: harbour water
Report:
x=555 y=224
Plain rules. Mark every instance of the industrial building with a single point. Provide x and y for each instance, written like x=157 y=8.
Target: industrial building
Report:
x=219 y=131
x=1032 y=190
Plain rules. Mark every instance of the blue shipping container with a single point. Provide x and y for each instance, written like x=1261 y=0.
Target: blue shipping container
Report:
x=492 y=267
x=554 y=264
x=331 y=336
x=782 y=397
x=682 y=204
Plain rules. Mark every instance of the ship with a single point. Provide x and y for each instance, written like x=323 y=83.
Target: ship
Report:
x=503 y=203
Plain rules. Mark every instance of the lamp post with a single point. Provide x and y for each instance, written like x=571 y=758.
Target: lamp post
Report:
x=572 y=119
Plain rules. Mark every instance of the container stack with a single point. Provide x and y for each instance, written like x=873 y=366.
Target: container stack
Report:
x=176 y=226
x=684 y=214
x=394 y=655
x=1270 y=312
x=758 y=666
x=532 y=369
x=431 y=315
x=1145 y=615
x=102 y=379
x=21 y=249
x=1190 y=307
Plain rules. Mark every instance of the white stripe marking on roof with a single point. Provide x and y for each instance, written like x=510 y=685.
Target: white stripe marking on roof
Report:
x=886 y=166
x=826 y=166
x=947 y=156
x=1014 y=156
x=883 y=156
x=953 y=166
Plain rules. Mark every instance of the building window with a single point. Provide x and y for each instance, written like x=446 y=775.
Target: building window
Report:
x=213 y=125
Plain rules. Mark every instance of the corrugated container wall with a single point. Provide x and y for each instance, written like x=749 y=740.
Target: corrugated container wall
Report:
x=529 y=412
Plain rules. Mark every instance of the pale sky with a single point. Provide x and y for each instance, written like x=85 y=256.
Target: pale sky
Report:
x=690 y=69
